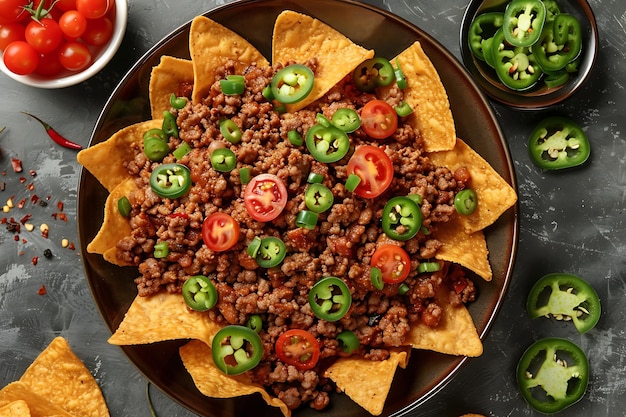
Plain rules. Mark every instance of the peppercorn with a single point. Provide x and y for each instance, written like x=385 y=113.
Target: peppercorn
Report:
x=47 y=253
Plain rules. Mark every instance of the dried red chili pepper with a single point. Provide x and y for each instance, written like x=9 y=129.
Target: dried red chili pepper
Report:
x=16 y=164
x=42 y=290
x=55 y=136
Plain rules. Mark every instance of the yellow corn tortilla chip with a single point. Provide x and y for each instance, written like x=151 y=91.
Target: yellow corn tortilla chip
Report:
x=495 y=195
x=38 y=405
x=455 y=335
x=469 y=250
x=114 y=226
x=60 y=376
x=107 y=160
x=211 y=45
x=165 y=79
x=427 y=96
x=298 y=37
x=17 y=408
x=369 y=392
x=198 y=361
x=161 y=317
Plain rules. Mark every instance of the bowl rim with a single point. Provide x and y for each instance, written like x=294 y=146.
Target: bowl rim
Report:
x=121 y=20
x=530 y=99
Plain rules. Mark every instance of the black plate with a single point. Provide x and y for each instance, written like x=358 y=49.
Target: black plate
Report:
x=113 y=289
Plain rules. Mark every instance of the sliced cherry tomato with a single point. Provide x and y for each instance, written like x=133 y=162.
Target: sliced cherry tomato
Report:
x=298 y=348
x=265 y=197
x=20 y=58
x=45 y=36
x=93 y=9
x=374 y=168
x=10 y=32
x=74 y=56
x=73 y=24
x=98 y=31
x=220 y=232
x=378 y=119
x=393 y=262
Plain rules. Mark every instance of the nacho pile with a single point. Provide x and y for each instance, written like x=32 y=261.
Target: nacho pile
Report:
x=300 y=38
x=57 y=383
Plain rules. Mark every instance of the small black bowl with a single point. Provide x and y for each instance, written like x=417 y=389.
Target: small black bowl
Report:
x=540 y=96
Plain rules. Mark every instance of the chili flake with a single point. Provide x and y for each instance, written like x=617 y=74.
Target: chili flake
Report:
x=42 y=290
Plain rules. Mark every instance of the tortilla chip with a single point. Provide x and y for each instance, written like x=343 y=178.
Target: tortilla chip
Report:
x=369 y=392
x=198 y=361
x=17 y=408
x=463 y=249
x=114 y=226
x=298 y=37
x=60 y=376
x=106 y=160
x=495 y=195
x=211 y=45
x=427 y=96
x=160 y=317
x=455 y=335
x=38 y=405
x=165 y=79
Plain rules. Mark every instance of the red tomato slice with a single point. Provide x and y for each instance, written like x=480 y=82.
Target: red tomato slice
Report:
x=265 y=197
x=220 y=232
x=298 y=348
x=393 y=262
x=374 y=168
x=378 y=119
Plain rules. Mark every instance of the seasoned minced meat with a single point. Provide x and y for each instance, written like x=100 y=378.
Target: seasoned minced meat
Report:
x=341 y=244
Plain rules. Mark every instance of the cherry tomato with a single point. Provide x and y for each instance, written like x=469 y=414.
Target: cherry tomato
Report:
x=374 y=168
x=93 y=9
x=73 y=24
x=220 y=232
x=49 y=65
x=378 y=119
x=20 y=58
x=74 y=56
x=98 y=32
x=265 y=197
x=12 y=11
x=393 y=262
x=66 y=5
x=10 y=32
x=45 y=36
x=298 y=348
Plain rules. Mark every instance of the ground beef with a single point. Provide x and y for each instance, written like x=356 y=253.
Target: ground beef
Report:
x=341 y=245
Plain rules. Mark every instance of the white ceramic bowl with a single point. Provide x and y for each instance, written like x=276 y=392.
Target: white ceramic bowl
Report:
x=102 y=57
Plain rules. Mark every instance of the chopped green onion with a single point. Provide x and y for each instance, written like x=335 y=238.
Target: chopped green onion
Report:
x=321 y=119
x=182 y=150
x=253 y=247
x=123 y=205
x=255 y=322
x=161 y=250
x=233 y=85
x=295 y=138
x=403 y=109
x=376 y=276
x=348 y=341
x=306 y=219
x=428 y=267
x=177 y=102
x=315 y=178
x=230 y=131
x=352 y=182
x=400 y=78
x=245 y=175
x=403 y=289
